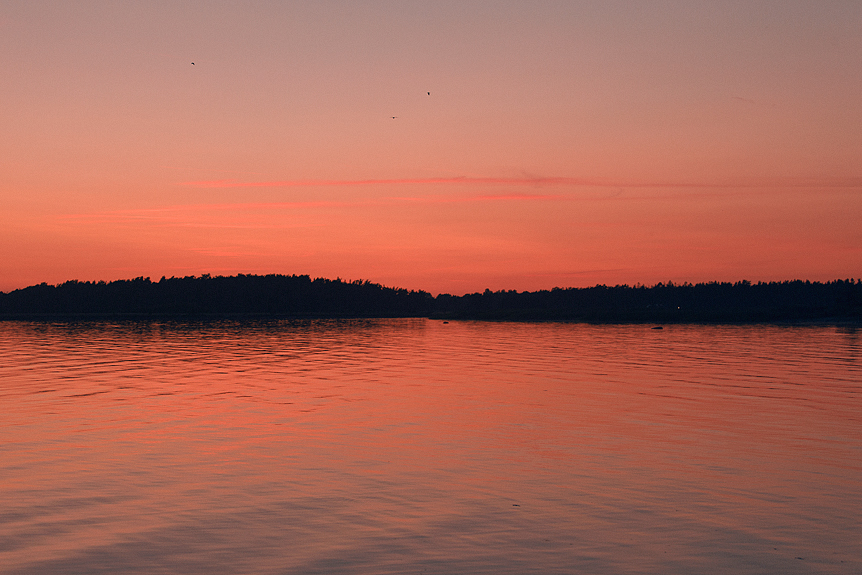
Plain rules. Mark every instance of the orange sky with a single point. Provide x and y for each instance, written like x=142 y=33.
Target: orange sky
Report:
x=564 y=143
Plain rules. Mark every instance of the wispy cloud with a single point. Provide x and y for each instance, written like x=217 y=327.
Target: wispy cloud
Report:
x=165 y=213
x=193 y=215
x=757 y=182
x=745 y=100
x=478 y=198
x=524 y=181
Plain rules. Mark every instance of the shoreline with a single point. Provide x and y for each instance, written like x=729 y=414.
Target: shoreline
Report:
x=834 y=321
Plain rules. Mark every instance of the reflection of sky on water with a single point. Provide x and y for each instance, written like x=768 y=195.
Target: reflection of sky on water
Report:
x=396 y=446
x=852 y=339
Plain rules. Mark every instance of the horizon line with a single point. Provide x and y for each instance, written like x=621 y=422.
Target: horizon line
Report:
x=668 y=283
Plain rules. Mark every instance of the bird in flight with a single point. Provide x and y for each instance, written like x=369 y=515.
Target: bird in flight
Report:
x=193 y=63
x=429 y=93
x=393 y=117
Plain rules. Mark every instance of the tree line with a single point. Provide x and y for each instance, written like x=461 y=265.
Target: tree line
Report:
x=300 y=296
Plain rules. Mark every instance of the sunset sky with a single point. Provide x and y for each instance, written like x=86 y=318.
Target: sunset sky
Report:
x=563 y=143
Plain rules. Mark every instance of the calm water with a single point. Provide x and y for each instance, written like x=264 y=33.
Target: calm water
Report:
x=414 y=446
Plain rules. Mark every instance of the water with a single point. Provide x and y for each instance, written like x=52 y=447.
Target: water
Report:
x=414 y=446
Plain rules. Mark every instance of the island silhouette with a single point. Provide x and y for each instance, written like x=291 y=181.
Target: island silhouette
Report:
x=300 y=296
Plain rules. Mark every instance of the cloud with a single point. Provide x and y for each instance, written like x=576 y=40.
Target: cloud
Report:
x=204 y=215
x=745 y=100
x=525 y=181
x=167 y=213
x=761 y=182
x=479 y=198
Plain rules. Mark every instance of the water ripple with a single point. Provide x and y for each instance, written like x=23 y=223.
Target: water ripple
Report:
x=393 y=446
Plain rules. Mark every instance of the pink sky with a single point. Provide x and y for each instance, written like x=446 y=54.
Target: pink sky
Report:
x=564 y=143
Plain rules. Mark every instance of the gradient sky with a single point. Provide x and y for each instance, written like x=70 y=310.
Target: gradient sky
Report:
x=564 y=143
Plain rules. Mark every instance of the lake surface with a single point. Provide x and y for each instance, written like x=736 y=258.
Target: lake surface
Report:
x=417 y=446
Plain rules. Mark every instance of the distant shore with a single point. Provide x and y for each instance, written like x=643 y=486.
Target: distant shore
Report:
x=300 y=297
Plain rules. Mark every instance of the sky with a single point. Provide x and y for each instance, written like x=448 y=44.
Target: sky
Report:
x=443 y=146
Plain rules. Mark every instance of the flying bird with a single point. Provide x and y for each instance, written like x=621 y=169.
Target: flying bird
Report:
x=193 y=63
x=429 y=93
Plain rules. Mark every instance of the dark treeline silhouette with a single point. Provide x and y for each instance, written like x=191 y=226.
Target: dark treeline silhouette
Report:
x=301 y=297
x=280 y=295
x=704 y=302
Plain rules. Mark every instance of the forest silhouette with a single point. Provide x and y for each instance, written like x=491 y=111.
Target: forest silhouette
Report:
x=300 y=296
